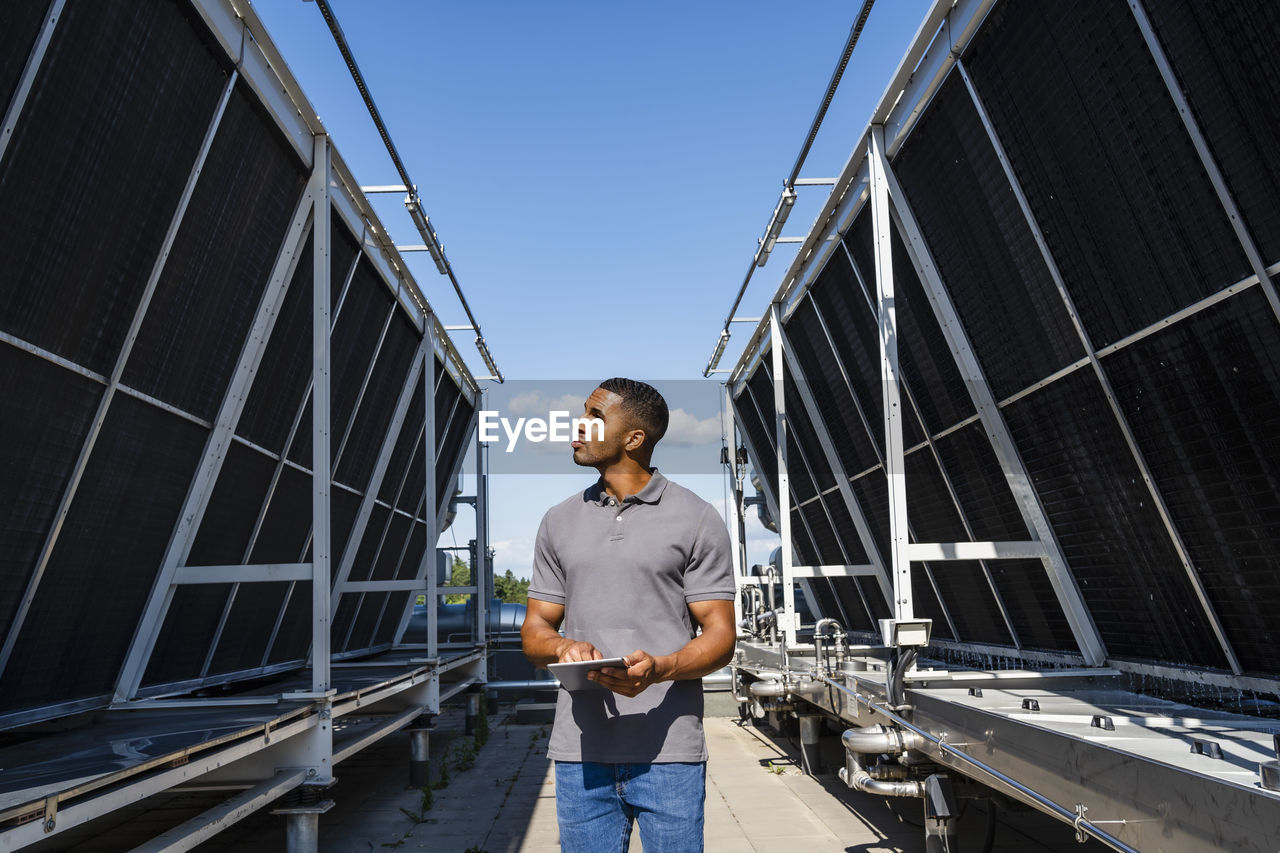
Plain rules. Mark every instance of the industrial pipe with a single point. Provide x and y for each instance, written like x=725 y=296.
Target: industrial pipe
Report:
x=881 y=740
x=781 y=689
x=1081 y=824
x=856 y=776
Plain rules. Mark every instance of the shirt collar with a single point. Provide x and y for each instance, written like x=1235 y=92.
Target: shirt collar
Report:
x=650 y=494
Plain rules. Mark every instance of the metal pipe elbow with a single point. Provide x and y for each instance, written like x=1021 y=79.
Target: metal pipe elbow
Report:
x=857 y=777
x=882 y=740
x=777 y=689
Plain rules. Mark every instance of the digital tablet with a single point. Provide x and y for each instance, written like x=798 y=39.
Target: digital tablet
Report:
x=573 y=675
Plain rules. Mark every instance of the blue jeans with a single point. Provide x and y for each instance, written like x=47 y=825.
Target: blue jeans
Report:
x=595 y=804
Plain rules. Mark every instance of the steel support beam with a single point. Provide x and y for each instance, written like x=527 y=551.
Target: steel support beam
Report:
x=113 y=383
x=261 y=573
x=894 y=464
x=1060 y=577
x=482 y=574
x=321 y=426
x=784 y=483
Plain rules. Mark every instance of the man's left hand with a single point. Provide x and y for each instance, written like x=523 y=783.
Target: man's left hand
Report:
x=642 y=670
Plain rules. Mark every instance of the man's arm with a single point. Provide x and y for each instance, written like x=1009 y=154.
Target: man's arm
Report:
x=540 y=636
x=702 y=655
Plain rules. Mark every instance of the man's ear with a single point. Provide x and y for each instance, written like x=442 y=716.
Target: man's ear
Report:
x=635 y=440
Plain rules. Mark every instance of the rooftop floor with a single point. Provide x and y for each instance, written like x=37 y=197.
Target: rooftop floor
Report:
x=501 y=799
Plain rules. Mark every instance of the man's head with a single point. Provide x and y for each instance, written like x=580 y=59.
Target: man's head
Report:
x=635 y=418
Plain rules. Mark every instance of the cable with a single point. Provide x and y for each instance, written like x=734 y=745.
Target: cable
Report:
x=854 y=33
x=413 y=201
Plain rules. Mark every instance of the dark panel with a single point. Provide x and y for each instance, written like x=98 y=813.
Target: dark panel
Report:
x=799 y=434
x=850 y=594
x=871 y=491
x=1097 y=144
x=980 y=485
x=823 y=537
x=1113 y=539
x=367 y=621
x=233 y=508
x=97 y=193
x=843 y=523
x=342 y=251
x=941 y=396
x=804 y=551
x=287 y=524
x=189 y=626
x=218 y=268
x=1033 y=607
x=362 y=568
x=993 y=515
x=452 y=450
x=45 y=413
x=393 y=544
x=825 y=376
x=402 y=454
x=105 y=562
x=249 y=626
x=347 y=608
x=1223 y=52
x=924 y=599
x=396 y=603
x=852 y=326
x=755 y=407
x=378 y=403
x=284 y=376
x=1203 y=400
x=294 y=638
x=866 y=320
x=343 y=509
x=356 y=338
x=415 y=479
x=412 y=557
x=963 y=585
x=222 y=540
x=22 y=23
x=1010 y=307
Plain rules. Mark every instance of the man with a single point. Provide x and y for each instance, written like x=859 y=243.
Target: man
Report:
x=632 y=567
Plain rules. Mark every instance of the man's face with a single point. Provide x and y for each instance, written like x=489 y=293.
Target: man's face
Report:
x=590 y=451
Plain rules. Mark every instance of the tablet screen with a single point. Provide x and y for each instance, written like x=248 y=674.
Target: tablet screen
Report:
x=573 y=674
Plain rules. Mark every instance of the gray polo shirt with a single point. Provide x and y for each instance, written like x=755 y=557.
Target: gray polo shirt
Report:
x=626 y=572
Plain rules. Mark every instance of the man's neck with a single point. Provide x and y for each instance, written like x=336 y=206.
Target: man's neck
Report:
x=625 y=478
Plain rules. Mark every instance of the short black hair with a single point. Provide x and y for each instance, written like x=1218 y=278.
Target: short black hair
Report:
x=643 y=405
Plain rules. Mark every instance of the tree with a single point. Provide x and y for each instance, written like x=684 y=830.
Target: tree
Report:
x=460 y=575
x=510 y=588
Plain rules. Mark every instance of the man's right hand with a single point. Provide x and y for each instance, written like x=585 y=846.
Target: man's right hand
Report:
x=576 y=650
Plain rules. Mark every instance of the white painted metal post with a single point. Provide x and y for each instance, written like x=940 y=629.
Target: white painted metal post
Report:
x=784 y=485
x=737 y=531
x=321 y=428
x=483 y=575
x=894 y=465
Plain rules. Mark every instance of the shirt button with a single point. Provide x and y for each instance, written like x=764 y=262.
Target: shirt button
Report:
x=619 y=518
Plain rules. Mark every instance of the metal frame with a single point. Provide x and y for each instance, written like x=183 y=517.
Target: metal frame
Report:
x=1104 y=381
x=1206 y=159
x=216 y=446
x=1059 y=573
x=117 y=371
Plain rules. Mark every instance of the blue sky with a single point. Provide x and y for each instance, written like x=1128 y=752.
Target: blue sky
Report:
x=598 y=174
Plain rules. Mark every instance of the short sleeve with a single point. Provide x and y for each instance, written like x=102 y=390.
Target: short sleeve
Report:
x=547 y=583
x=709 y=575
